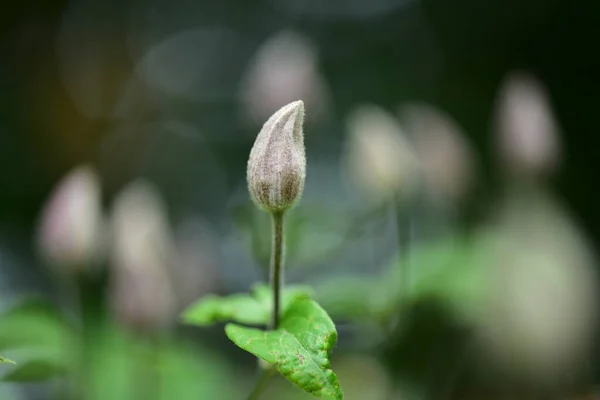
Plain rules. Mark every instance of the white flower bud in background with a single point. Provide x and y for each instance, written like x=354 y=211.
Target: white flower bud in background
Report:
x=447 y=158
x=277 y=164
x=284 y=69
x=538 y=318
x=527 y=135
x=71 y=226
x=142 y=250
x=378 y=157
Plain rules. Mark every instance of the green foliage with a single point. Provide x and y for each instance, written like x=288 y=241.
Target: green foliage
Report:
x=448 y=271
x=38 y=367
x=34 y=334
x=124 y=367
x=356 y=297
x=451 y=270
x=299 y=349
x=421 y=305
x=248 y=309
x=6 y=360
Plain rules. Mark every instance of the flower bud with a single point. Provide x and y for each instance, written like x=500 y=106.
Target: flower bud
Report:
x=527 y=133
x=277 y=164
x=70 y=230
x=379 y=159
x=447 y=159
x=142 y=249
x=284 y=68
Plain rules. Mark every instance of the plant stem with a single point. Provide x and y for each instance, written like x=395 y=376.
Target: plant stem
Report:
x=276 y=285
x=147 y=375
x=90 y=309
x=405 y=229
x=277 y=267
x=261 y=383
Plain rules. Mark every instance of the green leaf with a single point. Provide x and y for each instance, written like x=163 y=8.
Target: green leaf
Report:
x=299 y=349
x=6 y=360
x=35 y=370
x=120 y=361
x=449 y=270
x=32 y=323
x=351 y=297
x=187 y=372
x=34 y=334
x=248 y=309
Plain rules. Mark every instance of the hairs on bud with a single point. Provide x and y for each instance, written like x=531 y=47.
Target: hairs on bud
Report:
x=277 y=164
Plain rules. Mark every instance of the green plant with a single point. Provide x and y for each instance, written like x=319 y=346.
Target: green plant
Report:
x=6 y=360
x=301 y=334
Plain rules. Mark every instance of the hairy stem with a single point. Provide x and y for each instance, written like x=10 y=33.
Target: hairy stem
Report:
x=276 y=285
x=277 y=267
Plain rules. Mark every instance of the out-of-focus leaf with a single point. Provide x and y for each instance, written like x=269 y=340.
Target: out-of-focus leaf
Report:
x=113 y=367
x=249 y=309
x=39 y=367
x=299 y=349
x=186 y=373
x=349 y=297
x=32 y=323
x=6 y=360
x=124 y=368
x=448 y=270
x=34 y=334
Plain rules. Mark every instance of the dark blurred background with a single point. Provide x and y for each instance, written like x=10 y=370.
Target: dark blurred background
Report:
x=162 y=100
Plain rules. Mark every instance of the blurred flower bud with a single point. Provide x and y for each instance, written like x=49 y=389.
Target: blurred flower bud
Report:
x=378 y=157
x=527 y=135
x=70 y=230
x=283 y=69
x=277 y=164
x=141 y=251
x=440 y=144
x=539 y=317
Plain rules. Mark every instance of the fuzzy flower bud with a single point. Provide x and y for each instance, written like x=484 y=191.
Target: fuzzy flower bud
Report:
x=527 y=133
x=70 y=230
x=142 y=249
x=447 y=160
x=379 y=158
x=277 y=164
x=284 y=68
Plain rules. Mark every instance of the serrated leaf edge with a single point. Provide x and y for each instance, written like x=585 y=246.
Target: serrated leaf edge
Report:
x=333 y=391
